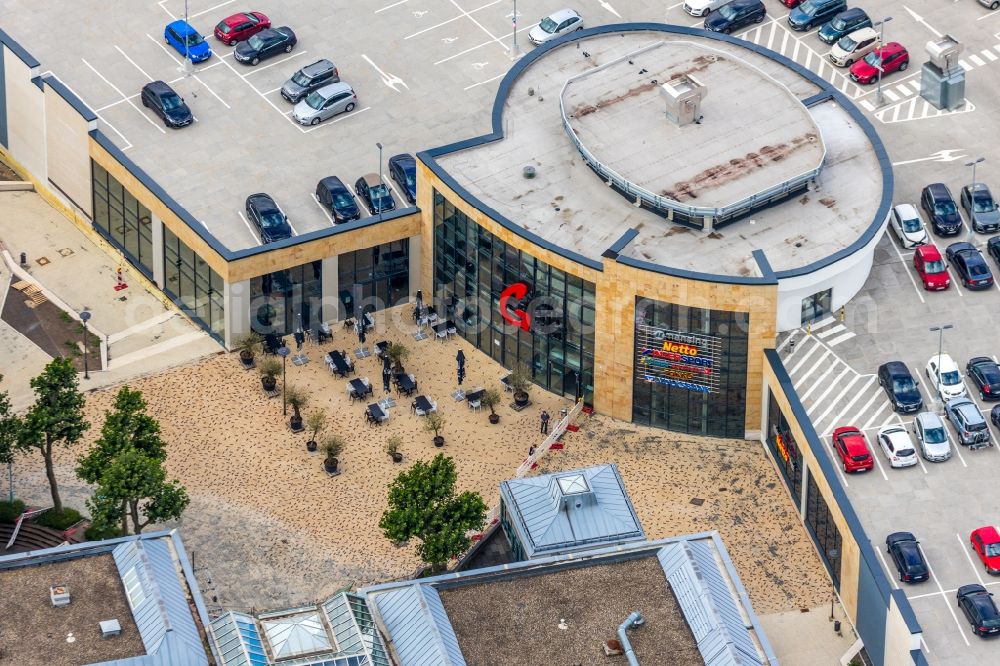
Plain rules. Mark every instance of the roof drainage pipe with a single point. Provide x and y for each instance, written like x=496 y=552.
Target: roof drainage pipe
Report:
x=633 y=620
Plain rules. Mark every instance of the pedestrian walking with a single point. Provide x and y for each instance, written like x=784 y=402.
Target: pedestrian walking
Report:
x=531 y=450
x=545 y=422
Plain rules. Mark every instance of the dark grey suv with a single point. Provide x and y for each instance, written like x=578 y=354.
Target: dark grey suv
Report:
x=309 y=78
x=969 y=422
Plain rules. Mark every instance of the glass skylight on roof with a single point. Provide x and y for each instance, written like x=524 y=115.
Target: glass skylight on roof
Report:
x=133 y=587
x=296 y=634
x=573 y=484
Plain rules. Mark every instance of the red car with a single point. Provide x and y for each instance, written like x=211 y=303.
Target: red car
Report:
x=893 y=57
x=986 y=542
x=930 y=267
x=791 y=4
x=852 y=447
x=240 y=27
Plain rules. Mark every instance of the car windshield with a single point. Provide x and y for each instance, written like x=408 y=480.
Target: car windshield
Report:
x=983 y=203
x=847 y=44
x=874 y=59
x=727 y=12
x=300 y=79
x=902 y=385
x=224 y=29
x=992 y=549
x=315 y=100
x=911 y=226
x=950 y=378
x=936 y=266
x=838 y=23
x=809 y=6
x=935 y=436
x=381 y=195
x=256 y=43
x=171 y=102
x=194 y=39
x=548 y=25
x=904 y=453
x=342 y=200
x=945 y=208
x=273 y=220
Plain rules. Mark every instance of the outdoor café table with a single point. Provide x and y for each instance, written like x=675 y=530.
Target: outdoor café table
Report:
x=339 y=364
x=423 y=404
x=359 y=389
x=406 y=385
x=475 y=395
x=381 y=347
x=376 y=413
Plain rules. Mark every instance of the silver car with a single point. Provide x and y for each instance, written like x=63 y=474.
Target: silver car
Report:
x=555 y=25
x=325 y=103
x=932 y=437
x=969 y=422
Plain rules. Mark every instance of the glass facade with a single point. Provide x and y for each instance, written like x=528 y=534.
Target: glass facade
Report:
x=283 y=301
x=193 y=286
x=690 y=369
x=820 y=523
x=817 y=306
x=121 y=219
x=512 y=306
x=784 y=448
x=375 y=277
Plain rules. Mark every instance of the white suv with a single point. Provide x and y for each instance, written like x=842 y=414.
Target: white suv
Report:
x=945 y=377
x=702 y=7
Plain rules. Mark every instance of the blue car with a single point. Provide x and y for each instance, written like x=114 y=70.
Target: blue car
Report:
x=179 y=32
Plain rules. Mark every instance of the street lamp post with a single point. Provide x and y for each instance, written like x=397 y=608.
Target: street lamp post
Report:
x=972 y=195
x=940 y=331
x=832 y=555
x=515 y=52
x=283 y=352
x=85 y=317
x=379 y=144
x=879 y=99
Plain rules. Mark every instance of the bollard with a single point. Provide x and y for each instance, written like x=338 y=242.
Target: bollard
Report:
x=24 y=259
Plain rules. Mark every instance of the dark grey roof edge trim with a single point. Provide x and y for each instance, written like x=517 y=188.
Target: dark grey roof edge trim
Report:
x=696 y=275
x=818 y=98
x=620 y=244
x=53 y=82
x=764 y=265
x=18 y=50
x=906 y=610
x=73 y=550
x=828 y=92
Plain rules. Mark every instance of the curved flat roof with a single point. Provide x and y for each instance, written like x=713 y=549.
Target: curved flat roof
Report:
x=567 y=208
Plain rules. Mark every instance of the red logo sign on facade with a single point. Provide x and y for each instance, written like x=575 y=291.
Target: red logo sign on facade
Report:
x=515 y=316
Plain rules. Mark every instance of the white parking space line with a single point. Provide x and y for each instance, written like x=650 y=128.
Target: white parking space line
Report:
x=453 y=19
x=479 y=46
x=966 y=66
x=819 y=381
x=832 y=385
x=481 y=83
x=875 y=456
x=221 y=101
x=210 y=9
x=124 y=97
x=805 y=358
x=903 y=90
x=294 y=232
x=160 y=5
x=989 y=55
x=323 y=208
x=480 y=25
x=955 y=446
x=784 y=342
x=103 y=119
x=874 y=417
x=824 y=322
x=891 y=95
x=833 y=342
x=836 y=400
x=276 y=62
x=252 y=232
x=392 y=186
x=812 y=369
x=965 y=549
x=328 y=123
x=857 y=397
x=976 y=60
x=908 y=270
x=890 y=574
x=134 y=63
x=395 y=4
x=944 y=598
x=955 y=281
x=284 y=114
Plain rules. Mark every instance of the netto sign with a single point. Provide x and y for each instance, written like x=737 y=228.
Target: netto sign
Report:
x=680 y=360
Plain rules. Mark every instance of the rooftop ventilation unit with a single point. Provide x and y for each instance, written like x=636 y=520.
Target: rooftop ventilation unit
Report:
x=59 y=594
x=683 y=96
x=110 y=628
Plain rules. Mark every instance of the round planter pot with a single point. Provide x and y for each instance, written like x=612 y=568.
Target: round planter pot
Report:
x=246 y=359
x=330 y=466
x=397 y=457
x=311 y=446
x=439 y=441
x=494 y=419
x=296 y=423
x=268 y=383
x=521 y=398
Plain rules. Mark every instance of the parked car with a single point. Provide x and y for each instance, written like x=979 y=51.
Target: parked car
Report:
x=309 y=78
x=265 y=44
x=333 y=195
x=403 y=170
x=167 y=104
x=893 y=57
x=980 y=207
x=944 y=377
x=909 y=228
x=897 y=446
x=375 y=193
x=555 y=25
x=932 y=438
x=985 y=373
x=814 y=12
x=930 y=267
x=851 y=48
x=238 y=27
x=992 y=4
x=969 y=422
x=970 y=265
x=268 y=218
x=937 y=202
x=993 y=247
x=844 y=23
x=791 y=3
x=897 y=382
x=852 y=448
x=702 y=7
x=736 y=14
x=980 y=609
x=904 y=549
x=325 y=103
x=995 y=417
x=187 y=41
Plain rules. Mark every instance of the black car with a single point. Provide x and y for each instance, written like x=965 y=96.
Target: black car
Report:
x=993 y=247
x=980 y=609
x=375 y=193
x=970 y=265
x=905 y=552
x=995 y=417
x=814 y=12
x=268 y=218
x=734 y=15
x=895 y=378
x=843 y=24
x=403 y=170
x=985 y=372
x=167 y=104
x=937 y=202
x=265 y=44
x=333 y=195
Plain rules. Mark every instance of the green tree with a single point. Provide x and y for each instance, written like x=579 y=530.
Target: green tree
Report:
x=423 y=505
x=126 y=426
x=10 y=425
x=56 y=417
x=135 y=486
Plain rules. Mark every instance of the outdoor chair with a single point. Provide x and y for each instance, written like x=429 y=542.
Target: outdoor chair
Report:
x=475 y=404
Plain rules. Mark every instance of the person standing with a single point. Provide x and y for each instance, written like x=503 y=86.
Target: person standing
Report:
x=545 y=422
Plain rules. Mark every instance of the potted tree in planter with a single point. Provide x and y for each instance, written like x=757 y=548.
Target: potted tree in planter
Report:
x=248 y=346
x=392 y=448
x=269 y=369
x=316 y=422
x=398 y=353
x=298 y=399
x=332 y=447
x=520 y=383
x=434 y=423
x=491 y=398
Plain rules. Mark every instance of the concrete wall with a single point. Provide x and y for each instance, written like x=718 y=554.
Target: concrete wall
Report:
x=67 y=145
x=25 y=114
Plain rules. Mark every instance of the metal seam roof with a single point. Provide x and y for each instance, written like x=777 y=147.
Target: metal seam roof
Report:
x=418 y=625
